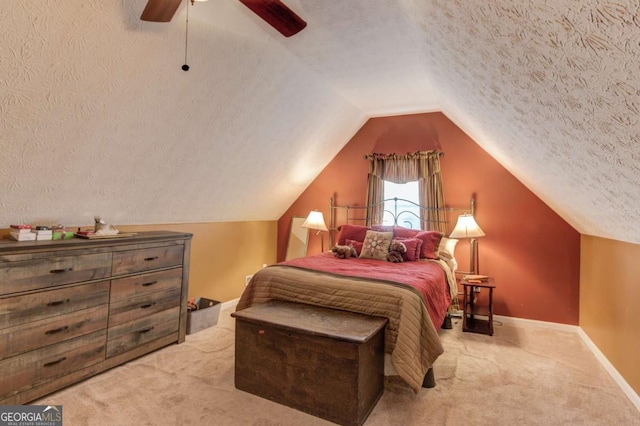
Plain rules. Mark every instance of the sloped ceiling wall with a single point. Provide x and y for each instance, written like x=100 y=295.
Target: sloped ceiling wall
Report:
x=98 y=118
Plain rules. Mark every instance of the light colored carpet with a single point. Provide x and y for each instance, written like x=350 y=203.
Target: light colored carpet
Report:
x=523 y=375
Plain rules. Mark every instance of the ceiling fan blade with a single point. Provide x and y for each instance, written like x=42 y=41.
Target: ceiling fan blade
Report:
x=277 y=14
x=160 y=10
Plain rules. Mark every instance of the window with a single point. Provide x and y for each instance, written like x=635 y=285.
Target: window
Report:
x=407 y=214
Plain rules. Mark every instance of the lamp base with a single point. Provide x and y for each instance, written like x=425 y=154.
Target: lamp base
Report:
x=473 y=256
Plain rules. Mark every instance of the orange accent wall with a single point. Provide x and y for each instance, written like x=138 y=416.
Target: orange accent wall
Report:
x=533 y=254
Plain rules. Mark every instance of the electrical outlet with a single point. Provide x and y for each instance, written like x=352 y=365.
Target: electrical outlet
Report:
x=476 y=289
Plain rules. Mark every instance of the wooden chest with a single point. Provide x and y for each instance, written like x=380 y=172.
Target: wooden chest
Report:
x=325 y=362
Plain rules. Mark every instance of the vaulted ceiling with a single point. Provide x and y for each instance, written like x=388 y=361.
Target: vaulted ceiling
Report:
x=97 y=116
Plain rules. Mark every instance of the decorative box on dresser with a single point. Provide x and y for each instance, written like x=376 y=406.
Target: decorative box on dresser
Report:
x=73 y=308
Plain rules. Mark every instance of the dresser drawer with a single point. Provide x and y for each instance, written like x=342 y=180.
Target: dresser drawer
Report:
x=127 y=336
x=147 y=304
x=18 y=310
x=140 y=285
x=37 y=334
x=128 y=262
x=52 y=271
x=34 y=368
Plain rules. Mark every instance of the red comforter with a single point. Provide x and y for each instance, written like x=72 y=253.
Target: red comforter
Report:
x=426 y=278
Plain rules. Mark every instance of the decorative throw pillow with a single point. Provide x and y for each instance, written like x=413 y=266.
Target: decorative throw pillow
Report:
x=430 y=243
x=376 y=245
x=402 y=232
x=414 y=248
x=382 y=228
x=351 y=232
x=357 y=245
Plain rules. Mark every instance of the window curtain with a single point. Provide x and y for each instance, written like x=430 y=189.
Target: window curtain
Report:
x=421 y=166
x=375 y=189
x=434 y=217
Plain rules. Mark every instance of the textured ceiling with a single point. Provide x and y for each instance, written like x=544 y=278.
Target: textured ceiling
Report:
x=96 y=116
x=552 y=90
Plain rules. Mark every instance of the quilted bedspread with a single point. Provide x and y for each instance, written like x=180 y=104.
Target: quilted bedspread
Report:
x=410 y=336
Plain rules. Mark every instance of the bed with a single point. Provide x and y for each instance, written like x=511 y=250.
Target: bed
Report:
x=413 y=295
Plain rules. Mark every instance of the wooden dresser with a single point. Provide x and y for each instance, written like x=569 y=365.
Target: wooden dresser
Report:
x=71 y=309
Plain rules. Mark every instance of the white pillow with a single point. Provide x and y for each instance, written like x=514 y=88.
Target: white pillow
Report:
x=446 y=251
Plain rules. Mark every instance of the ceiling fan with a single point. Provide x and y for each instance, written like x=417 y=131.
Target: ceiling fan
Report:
x=274 y=12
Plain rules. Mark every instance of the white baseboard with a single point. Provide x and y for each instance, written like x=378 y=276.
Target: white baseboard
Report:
x=615 y=375
x=230 y=304
x=628 y=390
x=536 y=323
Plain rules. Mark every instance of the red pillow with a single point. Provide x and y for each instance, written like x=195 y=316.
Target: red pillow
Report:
x=351 y=232
x=382 y=228
x=357 y=245
x=402 y=232
x=430 y=243
x=414 y=248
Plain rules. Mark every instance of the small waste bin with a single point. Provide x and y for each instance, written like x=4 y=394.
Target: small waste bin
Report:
x=202 y=313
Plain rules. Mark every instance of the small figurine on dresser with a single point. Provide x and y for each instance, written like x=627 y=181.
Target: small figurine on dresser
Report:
x=103 y=228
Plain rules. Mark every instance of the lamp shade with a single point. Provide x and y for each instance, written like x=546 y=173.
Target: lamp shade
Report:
x=315 y=220
x=466 y=227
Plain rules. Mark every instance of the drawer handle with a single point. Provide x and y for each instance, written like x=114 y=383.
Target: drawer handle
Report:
x=149 y=283
x=147 y=259
x=148 y=305
x=146 y=330
x=57 y=330
x=58 y=302
x=60 y=271
x=52 y=363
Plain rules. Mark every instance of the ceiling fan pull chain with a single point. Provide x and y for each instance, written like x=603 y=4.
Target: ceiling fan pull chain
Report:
x=185 y=67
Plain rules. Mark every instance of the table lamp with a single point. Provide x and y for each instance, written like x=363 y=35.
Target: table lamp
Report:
x=467 y=227
x=315 y=221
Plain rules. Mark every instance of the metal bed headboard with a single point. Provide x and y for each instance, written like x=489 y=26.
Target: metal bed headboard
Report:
x=358 y=214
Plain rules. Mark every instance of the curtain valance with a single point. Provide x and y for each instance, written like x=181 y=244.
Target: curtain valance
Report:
x=404 y=168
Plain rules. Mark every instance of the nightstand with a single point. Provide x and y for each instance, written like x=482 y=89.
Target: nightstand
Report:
x=477 y=318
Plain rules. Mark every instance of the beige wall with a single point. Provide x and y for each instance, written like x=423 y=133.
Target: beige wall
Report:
x=609 y=289
x=223 y=254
